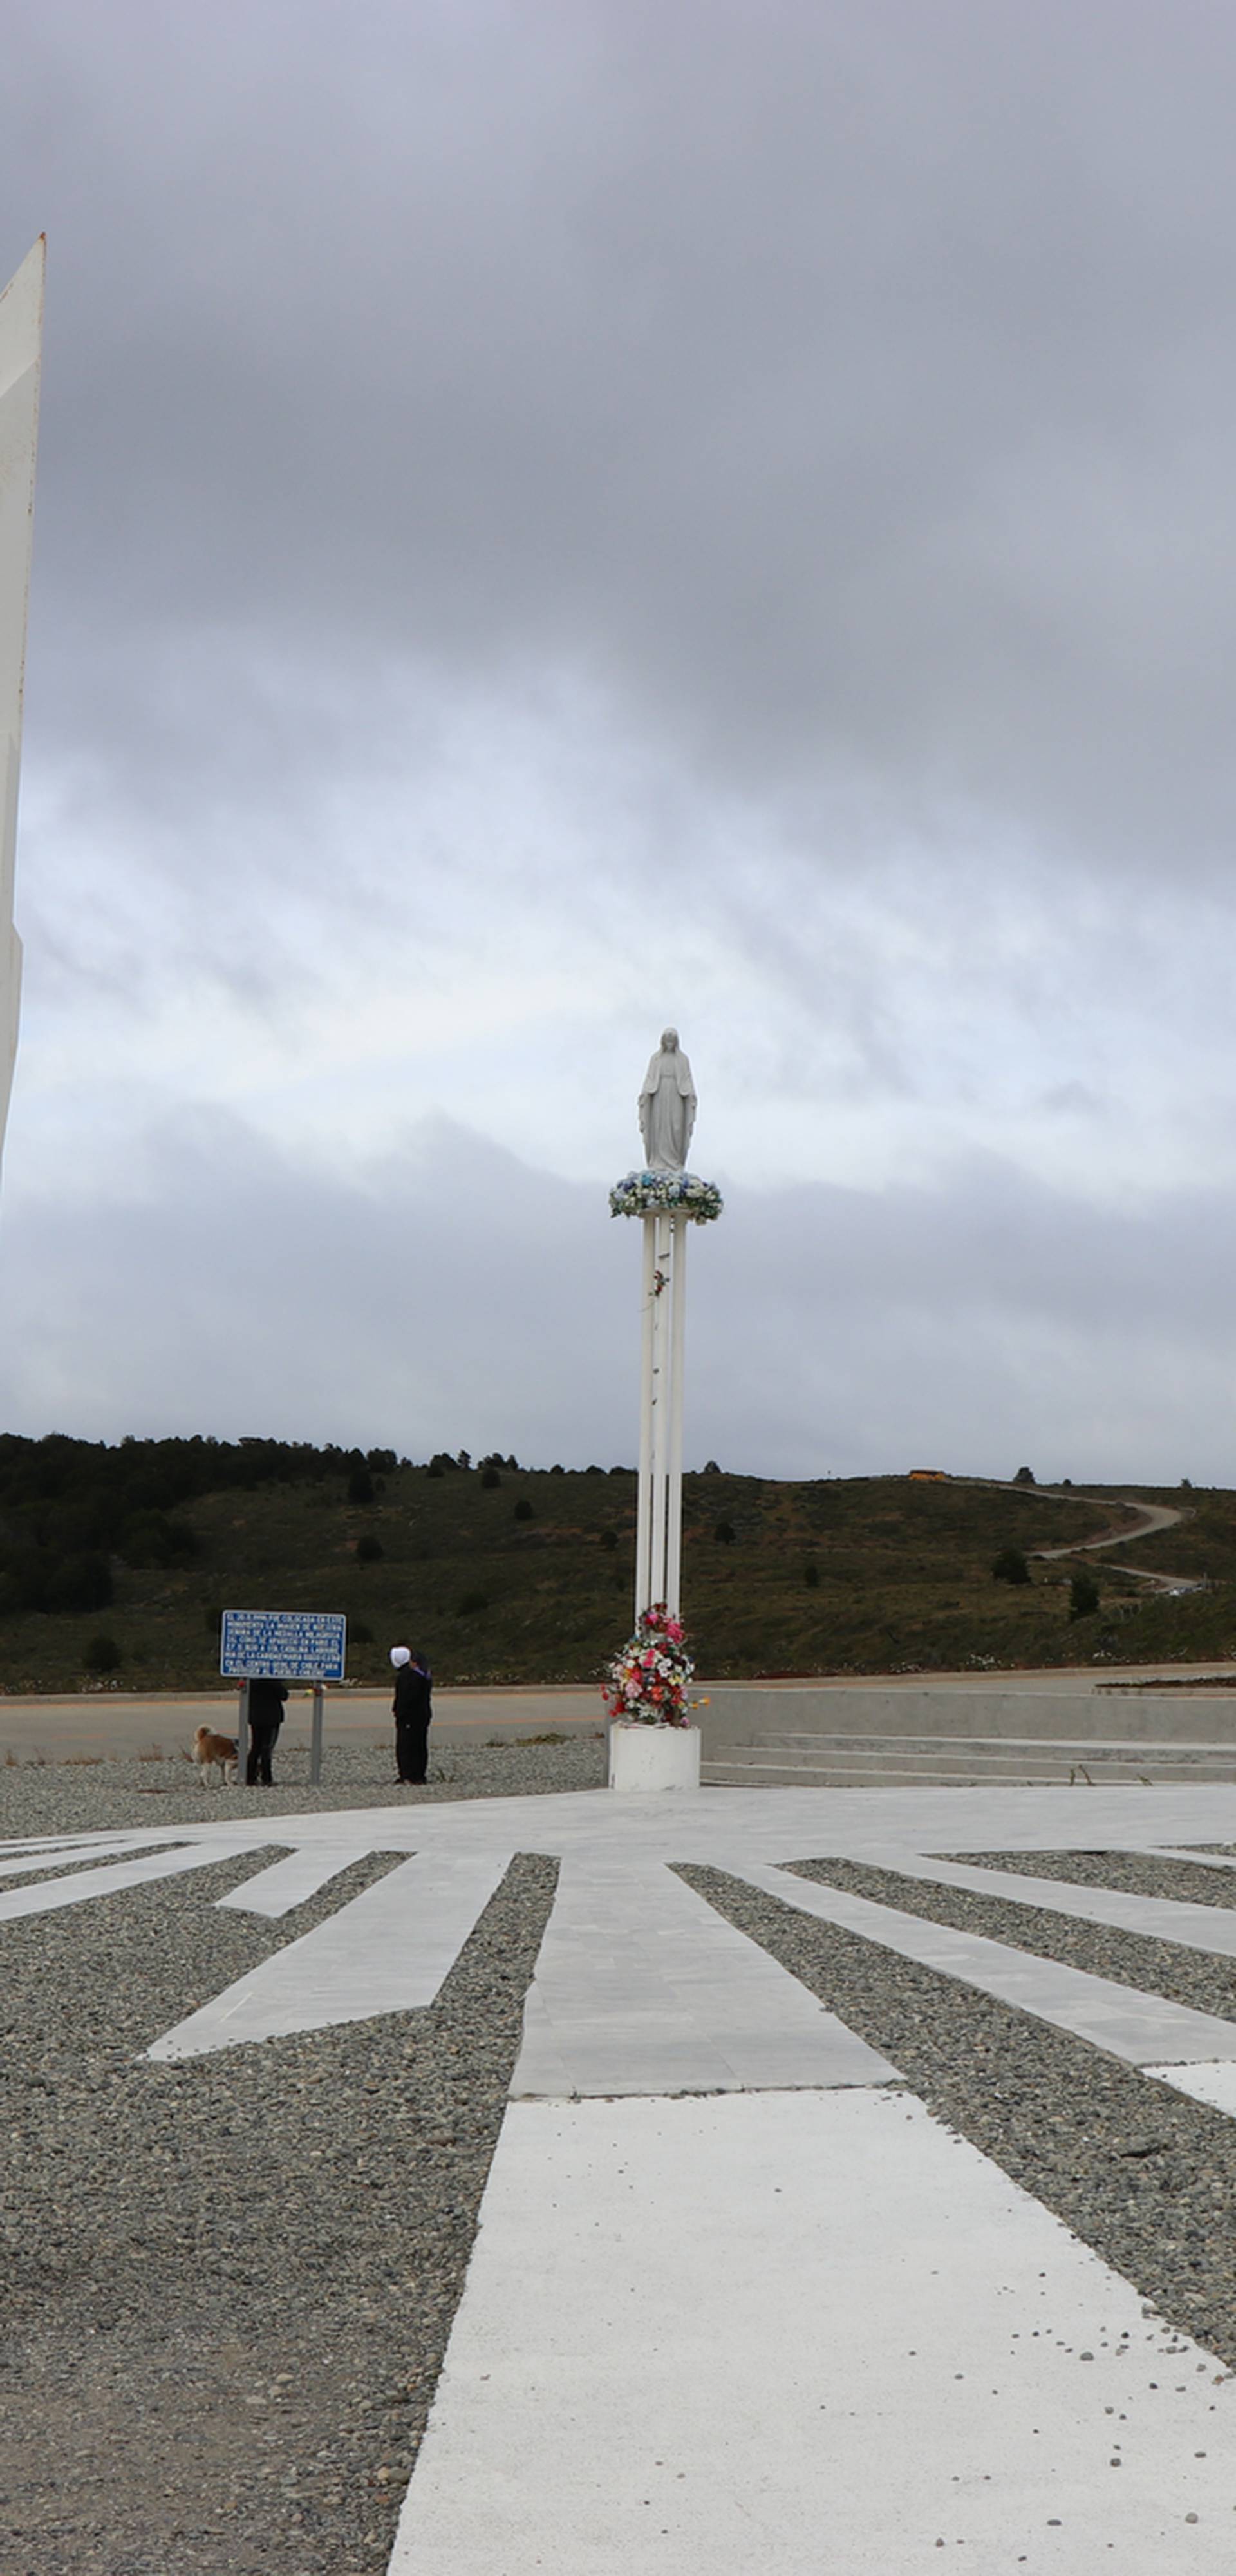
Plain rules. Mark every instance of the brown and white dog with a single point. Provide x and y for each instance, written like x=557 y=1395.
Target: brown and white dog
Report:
x=210 y=1749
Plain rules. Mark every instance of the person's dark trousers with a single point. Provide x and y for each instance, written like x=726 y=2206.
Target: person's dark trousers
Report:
x=261 y=1746
x=412 y=1750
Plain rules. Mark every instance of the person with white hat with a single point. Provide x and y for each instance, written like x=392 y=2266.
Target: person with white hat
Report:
x=413 y=1710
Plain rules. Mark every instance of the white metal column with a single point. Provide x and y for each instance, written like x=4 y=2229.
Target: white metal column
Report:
x=673 y=1501
x=643 y=1525
x=658 y=1541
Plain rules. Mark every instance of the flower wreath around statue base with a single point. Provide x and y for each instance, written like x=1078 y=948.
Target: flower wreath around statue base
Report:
x=666 y=1194
x=647 y=1683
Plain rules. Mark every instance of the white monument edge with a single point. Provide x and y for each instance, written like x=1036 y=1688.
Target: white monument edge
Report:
x=21 y=341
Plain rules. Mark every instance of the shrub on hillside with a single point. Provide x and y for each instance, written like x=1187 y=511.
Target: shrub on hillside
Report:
x=469 y=1603
x=80 y=1583
x=489 y=1478
x=369 y=1549
x=150 y=1538
x=1010 y=1566
x=725 y=1533
x=360 y=1486
x=1083 y=1596
x=523 y=1509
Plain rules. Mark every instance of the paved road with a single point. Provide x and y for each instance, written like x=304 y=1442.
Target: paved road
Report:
x=124 y=1724
x=1149 y=1518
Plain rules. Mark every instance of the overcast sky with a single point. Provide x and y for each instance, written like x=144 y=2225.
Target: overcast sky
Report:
x=554 y=518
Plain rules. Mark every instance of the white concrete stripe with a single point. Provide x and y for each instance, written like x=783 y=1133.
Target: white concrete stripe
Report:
x=132 y=1840
x=1213 y=2084
x=1192 y=1927
x=293 y=1880
x=809 y=2333
x=642 y=1987
x=1196 y=1859
x=388 y=1951
x=67 y=1856
x=1136 y=2027
x=108 y=1880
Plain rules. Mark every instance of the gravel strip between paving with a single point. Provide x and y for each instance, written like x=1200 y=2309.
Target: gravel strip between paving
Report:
x=1141 y=2174
x=229 y=2282
x=1132 y=1873
x=1131 y=1958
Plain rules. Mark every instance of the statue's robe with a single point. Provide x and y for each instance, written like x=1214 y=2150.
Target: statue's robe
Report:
x=667 y=1111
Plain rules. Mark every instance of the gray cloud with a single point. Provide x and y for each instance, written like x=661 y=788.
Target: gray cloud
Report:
x=846 y=397
x=551 y=520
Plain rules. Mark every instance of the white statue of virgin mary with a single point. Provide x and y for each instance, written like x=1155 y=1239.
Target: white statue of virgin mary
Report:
x=667 y=1107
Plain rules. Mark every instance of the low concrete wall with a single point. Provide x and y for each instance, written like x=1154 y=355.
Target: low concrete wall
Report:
x=744 y=1713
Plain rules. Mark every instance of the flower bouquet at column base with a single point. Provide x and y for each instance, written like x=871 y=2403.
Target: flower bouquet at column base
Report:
x=652 y=1742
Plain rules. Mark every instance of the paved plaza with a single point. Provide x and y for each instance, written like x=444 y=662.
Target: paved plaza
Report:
x=737 y=2295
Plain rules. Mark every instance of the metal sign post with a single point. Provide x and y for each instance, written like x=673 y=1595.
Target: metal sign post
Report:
x=315 y=1738
x=242 y=1734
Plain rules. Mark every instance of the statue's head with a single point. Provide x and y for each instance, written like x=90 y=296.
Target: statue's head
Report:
x=669 y=1041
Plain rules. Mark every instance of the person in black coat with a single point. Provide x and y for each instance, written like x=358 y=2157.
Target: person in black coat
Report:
x=266 y=1698
x=413 y=1711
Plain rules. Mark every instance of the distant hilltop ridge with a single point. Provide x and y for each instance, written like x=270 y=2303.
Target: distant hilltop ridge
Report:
x=119 y=1559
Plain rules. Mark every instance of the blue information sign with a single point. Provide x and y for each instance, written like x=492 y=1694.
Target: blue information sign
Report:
x=293 y=1645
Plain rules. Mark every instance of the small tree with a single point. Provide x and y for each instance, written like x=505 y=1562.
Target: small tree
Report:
x=369 y=1549
x=523 y=1509
x=1010 y=1566
x=1024 y=1476
x=1083 y=1596
x=360 y=1486
x=725 y=1533
x=489 y=1478
x=811 y=1572
x=607 y=1538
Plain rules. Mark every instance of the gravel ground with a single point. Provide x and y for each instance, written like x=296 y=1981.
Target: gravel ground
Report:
x=89 y=1797
x=229 y=2282
x=1139 y=2173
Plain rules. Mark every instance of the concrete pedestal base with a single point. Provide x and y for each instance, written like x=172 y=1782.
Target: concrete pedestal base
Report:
x=653 y=1757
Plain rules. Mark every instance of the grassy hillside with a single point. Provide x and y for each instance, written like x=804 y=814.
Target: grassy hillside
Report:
x=518 y=1575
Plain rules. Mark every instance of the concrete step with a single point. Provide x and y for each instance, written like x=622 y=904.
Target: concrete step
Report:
x=970 y=1747
x=915 y=1762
